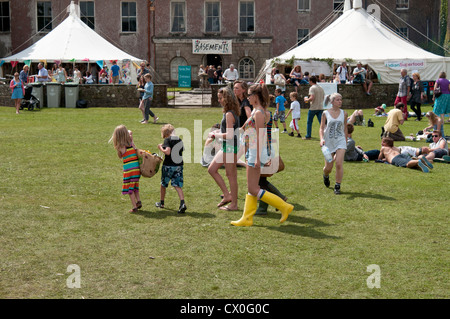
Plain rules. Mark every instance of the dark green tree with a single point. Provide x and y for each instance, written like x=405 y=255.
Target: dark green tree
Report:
x=443 y=13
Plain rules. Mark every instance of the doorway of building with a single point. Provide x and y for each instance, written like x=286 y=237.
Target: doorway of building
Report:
x=214 y=59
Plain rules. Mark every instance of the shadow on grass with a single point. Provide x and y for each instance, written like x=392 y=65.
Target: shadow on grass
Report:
x=302 y=231
x=165 y=212
x=298 y=230
x=352 y=196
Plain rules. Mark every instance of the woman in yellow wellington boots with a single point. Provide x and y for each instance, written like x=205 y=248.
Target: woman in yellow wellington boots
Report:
x=258 y=150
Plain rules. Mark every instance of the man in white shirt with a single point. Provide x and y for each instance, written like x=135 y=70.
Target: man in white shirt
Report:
x=342 y=71
x=42 y=74
x=230 y=74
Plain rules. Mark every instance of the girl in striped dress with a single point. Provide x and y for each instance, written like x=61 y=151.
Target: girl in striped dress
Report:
x=122 y=140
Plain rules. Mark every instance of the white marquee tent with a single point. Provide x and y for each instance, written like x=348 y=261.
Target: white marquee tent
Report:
x=73 y=41
x=358 y=36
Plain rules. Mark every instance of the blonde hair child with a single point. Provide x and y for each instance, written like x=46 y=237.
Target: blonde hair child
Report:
x=122 y=140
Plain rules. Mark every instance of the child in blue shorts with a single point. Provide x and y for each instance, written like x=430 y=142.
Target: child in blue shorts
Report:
x=172 y=169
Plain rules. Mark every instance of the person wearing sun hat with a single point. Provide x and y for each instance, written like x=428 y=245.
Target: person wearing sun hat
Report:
x=380 y=110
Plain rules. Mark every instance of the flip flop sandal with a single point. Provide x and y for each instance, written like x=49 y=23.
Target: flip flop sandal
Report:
x=223 y=203
x=139 y=205
x=133 y=210
x=226 y=208
x=440 y=160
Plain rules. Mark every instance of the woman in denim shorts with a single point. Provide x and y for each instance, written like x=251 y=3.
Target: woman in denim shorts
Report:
x=256 y=131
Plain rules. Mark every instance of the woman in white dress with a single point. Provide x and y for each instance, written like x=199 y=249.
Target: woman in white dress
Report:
x=333 y=134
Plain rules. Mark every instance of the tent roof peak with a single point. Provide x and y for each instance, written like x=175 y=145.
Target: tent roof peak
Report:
x=74 y=9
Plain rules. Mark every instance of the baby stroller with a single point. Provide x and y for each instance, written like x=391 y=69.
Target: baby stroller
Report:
x=29 y=100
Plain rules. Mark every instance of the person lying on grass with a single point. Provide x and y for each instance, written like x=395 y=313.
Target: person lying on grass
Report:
x=392 y=155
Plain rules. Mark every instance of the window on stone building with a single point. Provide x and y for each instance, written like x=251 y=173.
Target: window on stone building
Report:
x=402 y=4
x=247 y=16
x=304 y=5
x=338 y=5
x=246 y=68
x=403 y=32
x=129 y=17
x=5 y=25
x=174 y=64
x=178 y=16
x=44 y=16
x=302 y=36
x=212 y=15
x=87 y=13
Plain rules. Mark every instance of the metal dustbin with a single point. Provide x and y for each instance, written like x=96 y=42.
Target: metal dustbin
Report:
x=38 y=92
x=53 y=94
x=72 y=92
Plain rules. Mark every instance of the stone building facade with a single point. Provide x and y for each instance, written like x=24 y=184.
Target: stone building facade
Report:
x=165 y=32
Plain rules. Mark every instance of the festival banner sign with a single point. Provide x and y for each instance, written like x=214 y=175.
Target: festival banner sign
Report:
x=211 y=46
x=407 y=64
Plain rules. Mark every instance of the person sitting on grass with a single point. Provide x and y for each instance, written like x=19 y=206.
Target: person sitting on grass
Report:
x=435 y=123
x=394 y=120
x=392 y=155
x=356 y=153
x=380 y=110
x=357 y=118
x=438 y=149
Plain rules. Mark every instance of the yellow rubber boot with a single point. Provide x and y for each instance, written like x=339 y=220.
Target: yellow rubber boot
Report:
x=249 y=210
x=277 y=202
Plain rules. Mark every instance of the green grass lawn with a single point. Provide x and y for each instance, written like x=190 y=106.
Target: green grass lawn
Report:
x=61 y=204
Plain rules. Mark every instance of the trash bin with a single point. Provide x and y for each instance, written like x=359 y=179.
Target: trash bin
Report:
x=71 y=91
x=38 y=92
x=53 y=94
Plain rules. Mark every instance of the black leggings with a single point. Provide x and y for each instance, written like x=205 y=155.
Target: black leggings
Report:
x=416 y=108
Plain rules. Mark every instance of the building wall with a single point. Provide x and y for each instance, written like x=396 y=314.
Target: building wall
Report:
x=256 y=46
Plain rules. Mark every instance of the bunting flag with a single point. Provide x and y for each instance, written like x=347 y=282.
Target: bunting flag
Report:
x=100 y=63
x=136 y=65
x=1 y=62
x=44 y=61
x=85 y=59
x=14 y=63
x=57 y=62
x=27 y=62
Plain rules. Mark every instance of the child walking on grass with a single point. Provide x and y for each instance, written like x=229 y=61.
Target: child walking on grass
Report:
x=172 y=169
x=295 y=110
x=122 y=140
